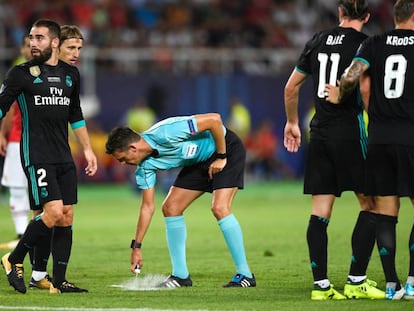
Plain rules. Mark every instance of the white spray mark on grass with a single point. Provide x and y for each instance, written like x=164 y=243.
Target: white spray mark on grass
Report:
x=142 y=283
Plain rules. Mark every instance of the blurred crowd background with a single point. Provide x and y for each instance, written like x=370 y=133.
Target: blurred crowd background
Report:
x=144 y=60
x=185 y=23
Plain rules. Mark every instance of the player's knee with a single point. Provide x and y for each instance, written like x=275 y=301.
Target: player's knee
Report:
x=53 y=213
x=171 y=209
x=220 y=211
x=166 y=209
x=67 y=217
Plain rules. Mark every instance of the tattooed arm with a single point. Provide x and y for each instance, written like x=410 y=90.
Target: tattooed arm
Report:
x=350 y=78
x=349 y=81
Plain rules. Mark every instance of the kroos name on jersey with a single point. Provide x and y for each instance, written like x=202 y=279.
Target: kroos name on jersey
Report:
x=51 y=100
x=396 y=41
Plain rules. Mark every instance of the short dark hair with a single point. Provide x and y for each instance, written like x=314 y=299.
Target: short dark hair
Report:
x=119 y=139
x=354 y=9
x=54 y=28
x=403 y=9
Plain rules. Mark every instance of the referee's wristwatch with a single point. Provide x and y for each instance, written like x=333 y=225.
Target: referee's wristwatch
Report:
x=220 y=155
x=135 y=244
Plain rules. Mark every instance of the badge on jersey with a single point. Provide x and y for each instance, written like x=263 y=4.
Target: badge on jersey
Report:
x=190 y=150
x=35 y=71
x=44 y=193
x=69 y=81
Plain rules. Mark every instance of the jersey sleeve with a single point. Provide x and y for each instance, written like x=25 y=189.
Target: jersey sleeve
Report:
x=76 y=118
x=364 y=52
x=10 y=90
x=304 y=64
x=145 y=178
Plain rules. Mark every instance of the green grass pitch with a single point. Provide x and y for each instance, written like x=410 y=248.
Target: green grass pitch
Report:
x=274 y=218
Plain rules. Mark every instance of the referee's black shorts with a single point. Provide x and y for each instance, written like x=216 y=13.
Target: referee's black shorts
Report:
x=195 y=177
x=332 y=167
x=390 y=170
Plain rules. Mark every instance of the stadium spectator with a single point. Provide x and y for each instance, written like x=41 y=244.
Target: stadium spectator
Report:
x=212 y=160
x=239 y=120
x=48 y=162
x=215 y=23
x=336 y=151
x=387 y=58
x=262 y=148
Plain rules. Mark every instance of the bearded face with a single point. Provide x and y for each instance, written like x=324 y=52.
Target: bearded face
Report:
x=41 y=44
x=40 y=57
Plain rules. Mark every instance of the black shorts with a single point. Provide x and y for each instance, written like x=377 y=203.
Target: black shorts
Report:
x=332 y=167
x=390 y=170
x=48 y=182
x=195 y=177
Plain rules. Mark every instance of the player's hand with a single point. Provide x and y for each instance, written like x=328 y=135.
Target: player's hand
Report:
x=292 y=138
x=216 y=167
x=92 y=164
x=136 y=259
x=332 y=94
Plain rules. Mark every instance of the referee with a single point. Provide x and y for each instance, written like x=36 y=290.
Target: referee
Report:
x=212 y=159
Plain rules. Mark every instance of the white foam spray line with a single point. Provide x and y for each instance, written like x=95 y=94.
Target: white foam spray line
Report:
x=142 y=283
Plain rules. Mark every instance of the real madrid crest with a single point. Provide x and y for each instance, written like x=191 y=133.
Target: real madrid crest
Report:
x=34 y=71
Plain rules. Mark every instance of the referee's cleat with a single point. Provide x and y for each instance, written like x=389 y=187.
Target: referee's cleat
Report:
x=365 y=290
x=326 y=294
x=41 y=284
x=173 y=282
x=240 y=280
x=14 y=274
x=66 y=287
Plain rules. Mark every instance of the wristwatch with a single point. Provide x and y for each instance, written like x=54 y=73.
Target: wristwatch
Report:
x=221 y=155
x=135 y=244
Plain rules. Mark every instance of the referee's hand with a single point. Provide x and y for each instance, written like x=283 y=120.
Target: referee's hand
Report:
x=216 y=167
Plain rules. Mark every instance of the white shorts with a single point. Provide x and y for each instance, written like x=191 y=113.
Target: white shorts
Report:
x=13 y=174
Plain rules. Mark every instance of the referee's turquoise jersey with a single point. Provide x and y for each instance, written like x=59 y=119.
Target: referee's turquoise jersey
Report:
x=179 y=144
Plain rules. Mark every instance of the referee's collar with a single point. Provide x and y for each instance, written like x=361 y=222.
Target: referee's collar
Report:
x=154 y=153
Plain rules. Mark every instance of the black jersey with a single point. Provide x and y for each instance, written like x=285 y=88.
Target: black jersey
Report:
x=325 y=57
x=48 y=97
x=390 y=57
